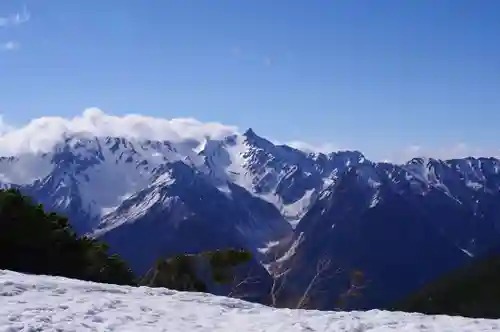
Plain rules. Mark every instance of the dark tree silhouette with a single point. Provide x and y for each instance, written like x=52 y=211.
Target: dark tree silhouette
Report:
x=34 y=241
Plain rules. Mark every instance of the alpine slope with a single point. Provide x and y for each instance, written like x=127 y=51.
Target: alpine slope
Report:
x=41 y=303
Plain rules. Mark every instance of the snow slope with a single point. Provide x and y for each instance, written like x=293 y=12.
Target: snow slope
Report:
x=288 y=178
x=40 y=303
x=101 y=171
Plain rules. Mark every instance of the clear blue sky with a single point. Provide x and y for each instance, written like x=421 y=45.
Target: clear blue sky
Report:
x=366 y=74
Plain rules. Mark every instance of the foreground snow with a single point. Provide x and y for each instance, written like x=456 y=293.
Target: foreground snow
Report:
x=40 y=303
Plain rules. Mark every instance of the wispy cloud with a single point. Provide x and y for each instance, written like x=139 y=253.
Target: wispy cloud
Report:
x=15 y=19
x=10 y=46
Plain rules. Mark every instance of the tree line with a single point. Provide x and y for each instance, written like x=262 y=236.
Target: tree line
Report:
x=34 y=241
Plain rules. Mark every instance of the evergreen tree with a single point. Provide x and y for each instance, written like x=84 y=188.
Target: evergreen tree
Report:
x=33 y=241
x=37 y=242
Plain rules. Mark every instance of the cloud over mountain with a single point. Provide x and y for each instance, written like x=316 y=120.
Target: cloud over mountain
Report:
x=42 y=133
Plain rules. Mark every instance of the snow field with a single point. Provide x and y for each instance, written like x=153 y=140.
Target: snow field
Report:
x=41 y=303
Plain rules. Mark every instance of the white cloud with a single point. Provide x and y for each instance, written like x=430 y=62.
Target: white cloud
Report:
x=15 y=19
x=10 y=46
x=41 y=134
x=4 y=127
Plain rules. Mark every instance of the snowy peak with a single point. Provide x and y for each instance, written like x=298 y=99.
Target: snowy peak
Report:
x=474 y=173
x=102 y=172
x=462 y=181
x=175 y=172
x=182 y=211
x=153 y=198
x=118 y=167
x=105 y=171
x=427 y=216
x=249 y=133
x=288 y=178
x=252 y=139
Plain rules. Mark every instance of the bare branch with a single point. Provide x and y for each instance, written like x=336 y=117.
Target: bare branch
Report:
x=277 y=289
x=248 y=279
x=322 y=266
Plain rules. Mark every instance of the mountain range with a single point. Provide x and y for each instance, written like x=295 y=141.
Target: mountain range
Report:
x=401 y=225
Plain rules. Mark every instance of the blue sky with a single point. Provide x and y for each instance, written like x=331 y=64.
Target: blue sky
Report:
x=372 y=75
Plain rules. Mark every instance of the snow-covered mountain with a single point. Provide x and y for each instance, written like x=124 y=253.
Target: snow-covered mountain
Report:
x=89 y=175
x=181 y=211
x=40 y=303
x=241 y=190
x=288 y=178
x=96 y=174
x=401 y=225
x=150 y=199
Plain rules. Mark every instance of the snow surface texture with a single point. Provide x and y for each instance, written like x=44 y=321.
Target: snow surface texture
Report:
x=41 y=303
